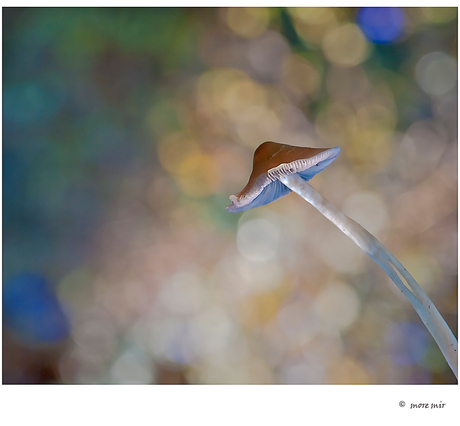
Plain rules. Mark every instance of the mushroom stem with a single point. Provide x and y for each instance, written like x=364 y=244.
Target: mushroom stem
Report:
x=423 y=305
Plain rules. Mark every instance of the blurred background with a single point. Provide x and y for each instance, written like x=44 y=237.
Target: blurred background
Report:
x=124 y=133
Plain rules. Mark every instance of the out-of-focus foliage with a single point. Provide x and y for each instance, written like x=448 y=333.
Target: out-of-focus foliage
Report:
x=124 y=132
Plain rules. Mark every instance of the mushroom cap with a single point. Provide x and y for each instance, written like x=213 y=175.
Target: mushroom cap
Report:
x=273 y=160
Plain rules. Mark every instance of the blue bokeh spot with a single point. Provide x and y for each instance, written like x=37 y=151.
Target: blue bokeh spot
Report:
x=31 y=310
x=381 y=25
x=406 y=343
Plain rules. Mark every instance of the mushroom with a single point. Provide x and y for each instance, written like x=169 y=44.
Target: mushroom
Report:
x=271 y=162
x=279 y=169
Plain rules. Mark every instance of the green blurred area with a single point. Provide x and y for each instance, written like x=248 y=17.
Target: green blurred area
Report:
x=126 y=129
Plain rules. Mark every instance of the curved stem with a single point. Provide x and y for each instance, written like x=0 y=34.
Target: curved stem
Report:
x=423 y=305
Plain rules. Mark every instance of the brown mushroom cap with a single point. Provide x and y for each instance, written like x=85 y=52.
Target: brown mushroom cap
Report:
x=273 y=160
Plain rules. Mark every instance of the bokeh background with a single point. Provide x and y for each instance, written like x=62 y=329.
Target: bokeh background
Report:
x=124 y=133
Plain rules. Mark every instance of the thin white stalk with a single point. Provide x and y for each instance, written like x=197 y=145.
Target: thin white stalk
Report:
x=423 y=305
